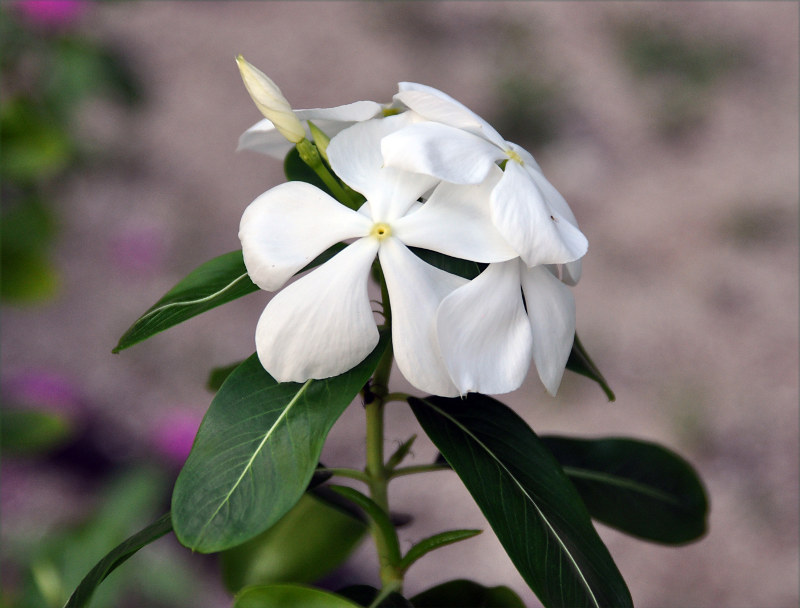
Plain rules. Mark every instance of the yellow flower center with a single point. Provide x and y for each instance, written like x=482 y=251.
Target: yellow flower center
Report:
x=514 y=156
x=381 y=230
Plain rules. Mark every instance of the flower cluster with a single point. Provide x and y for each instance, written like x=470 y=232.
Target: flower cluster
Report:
x=434 y=176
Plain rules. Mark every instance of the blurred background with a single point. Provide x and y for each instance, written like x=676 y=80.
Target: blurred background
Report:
x=670 y=127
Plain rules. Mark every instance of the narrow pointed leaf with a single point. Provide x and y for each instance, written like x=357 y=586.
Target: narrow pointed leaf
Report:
x=83 y=593
x=640 y=488
x=218 y=281
x=256 y=451
x=434 y=542
x=580 y=363
x=533 y=508
x=289 y=596
x=462 y=592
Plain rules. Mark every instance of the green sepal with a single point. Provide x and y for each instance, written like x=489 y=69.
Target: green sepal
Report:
x=637 y=487
x=535 y=511
x=256 y=451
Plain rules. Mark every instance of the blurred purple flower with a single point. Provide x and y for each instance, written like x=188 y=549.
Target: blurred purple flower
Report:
x=139 y=249
x=174 y=436
x=43 y=389
x=51 y=13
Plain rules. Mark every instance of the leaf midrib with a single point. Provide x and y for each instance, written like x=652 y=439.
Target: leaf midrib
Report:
x=249 y=464
x=620 y=482
x=549 y=526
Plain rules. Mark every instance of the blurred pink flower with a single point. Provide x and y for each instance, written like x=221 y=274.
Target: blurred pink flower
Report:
x=139 y=249
x=43 y=389
x=174 y=436
x=51 y=13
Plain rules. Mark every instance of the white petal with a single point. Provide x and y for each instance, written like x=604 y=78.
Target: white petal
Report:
x=263 y=137
x=355 y=156
x=571 y=272
x=445 y=152
x=288 y=226
x=539 y=234
x=484 y=333
x=551 y=310
x=415 y=291
x=435 y=105
x=552 y=196
x=321 y=325
x=456 y=220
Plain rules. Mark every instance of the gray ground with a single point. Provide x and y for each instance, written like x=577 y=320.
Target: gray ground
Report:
x=689 y=301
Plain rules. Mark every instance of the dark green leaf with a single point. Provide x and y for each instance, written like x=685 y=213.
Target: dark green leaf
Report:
x=289 y=596
x=457 y=266
x=364 y=595
x=580 y=363
x=308 y=542
x=434 y=542
x=216 y=282
x=256 y=451
x=637 y=487
x=218 y=375
x=533 y=508
x=83 y=594
x=461 y=592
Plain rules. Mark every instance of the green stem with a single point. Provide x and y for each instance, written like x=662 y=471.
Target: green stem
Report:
x=420 y=468
x=343 y=472
x=310 y=156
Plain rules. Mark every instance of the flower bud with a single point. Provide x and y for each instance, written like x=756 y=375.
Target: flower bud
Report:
x=269 y=99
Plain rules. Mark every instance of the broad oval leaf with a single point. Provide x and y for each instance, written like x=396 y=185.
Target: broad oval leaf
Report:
x=256 y=450
x=218 y=281
x=533 y=508
x=289 y=596
x=83 y=593
x=638 y=487
x=462 y=592
x=309 y=541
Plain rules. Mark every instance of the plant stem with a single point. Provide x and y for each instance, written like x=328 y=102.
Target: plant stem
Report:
x=421 y=468
x=310 y=156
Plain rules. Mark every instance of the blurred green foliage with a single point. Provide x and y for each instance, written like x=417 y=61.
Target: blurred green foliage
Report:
x=46 y=75
x=681 y=67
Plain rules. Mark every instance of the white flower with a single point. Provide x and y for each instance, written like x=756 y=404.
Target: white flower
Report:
x=488 y=317
x=322 y=324
x=270 y=101
x=456 y=145
x=264 y=138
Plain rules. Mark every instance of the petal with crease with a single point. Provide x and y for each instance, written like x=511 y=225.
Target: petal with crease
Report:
x=355 y=156
x=288 y=226
x=321 y=325
x=484 y=333
x=551 y=310
x=435 y=105
x=415 y=291
x=442 y=151
x=539 y=234
x=456 y=220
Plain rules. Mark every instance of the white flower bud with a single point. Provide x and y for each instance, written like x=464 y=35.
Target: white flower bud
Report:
x=270 y=101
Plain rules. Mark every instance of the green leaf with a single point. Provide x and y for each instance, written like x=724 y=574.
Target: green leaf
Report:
x=640 y=488
x=533 y=508
x=580 y=363
x=83 y=594
x=297 y=170
x=434 y=542
x=218 y=375
x=461 y=592
x=29 y=432
x=256 y=450
x=289 y=596
x=457 y=266
x=307 y=543
x=216 y=282
x=365 y=595
x=377 y=515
